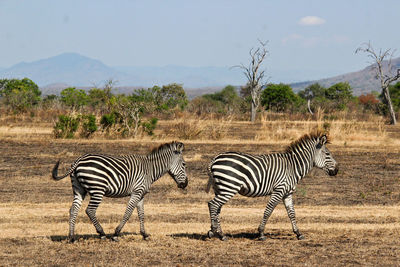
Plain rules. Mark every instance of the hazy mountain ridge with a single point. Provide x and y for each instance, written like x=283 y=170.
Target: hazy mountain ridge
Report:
x=70 y=69
x=76 y=70
x=362 y=81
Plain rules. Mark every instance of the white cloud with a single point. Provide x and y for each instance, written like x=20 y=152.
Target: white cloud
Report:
x=311 y=21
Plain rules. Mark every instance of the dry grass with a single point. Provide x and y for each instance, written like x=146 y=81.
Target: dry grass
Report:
x=51 y=219
x=343 y=131
x=334 y=235
x=187 y=128
x=269 y=130
x=350 y=219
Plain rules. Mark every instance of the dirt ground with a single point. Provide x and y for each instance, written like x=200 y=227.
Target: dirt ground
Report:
x=350 y=219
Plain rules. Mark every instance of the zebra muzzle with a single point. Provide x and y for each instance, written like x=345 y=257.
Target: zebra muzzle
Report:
x=183 y=184
x=333 y=172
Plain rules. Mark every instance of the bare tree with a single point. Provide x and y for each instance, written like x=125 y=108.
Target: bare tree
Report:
x=255 y=76
x=383 y=72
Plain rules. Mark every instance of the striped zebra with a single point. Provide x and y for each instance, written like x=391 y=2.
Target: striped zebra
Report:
x=275 y=174
x=121 y=176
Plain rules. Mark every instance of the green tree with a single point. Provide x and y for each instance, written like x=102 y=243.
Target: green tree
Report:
x=171 y=96
x=74 y=98
x=340 y=94
x=148 y=98
x=224 y=101
x=313 y=91
x=20 y=94
x=278 y=97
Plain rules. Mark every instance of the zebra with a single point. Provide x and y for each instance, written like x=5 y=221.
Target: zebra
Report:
x=119 y=176
x=275 y=174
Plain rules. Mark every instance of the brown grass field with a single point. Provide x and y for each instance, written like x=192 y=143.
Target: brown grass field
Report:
x=350 y=219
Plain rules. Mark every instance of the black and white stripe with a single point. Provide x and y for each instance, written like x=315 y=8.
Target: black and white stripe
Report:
x=120 y=176
x=275 y=174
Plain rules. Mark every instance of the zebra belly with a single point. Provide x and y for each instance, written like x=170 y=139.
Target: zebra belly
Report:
x=113 y=195
x=244 y=191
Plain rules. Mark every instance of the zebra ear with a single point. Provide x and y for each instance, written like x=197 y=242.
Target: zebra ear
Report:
x=179 y=147
x=322 y=141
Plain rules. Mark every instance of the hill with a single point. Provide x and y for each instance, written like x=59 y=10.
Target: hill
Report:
x=71 y=69
x=362 y=81
x=68 y=68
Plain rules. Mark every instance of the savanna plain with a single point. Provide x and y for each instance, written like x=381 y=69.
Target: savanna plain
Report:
x=349 y=219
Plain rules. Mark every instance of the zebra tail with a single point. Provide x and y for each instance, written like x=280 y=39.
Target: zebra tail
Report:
x=210 y=178
x=55 y=172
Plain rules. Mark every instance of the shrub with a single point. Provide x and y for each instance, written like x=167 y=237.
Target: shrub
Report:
x=107 y=121
x=89 y=125
x=150 y=126
x=66 y=126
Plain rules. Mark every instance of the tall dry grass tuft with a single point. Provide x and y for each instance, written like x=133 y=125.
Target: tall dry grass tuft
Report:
x=341 y=128
x=186 y=128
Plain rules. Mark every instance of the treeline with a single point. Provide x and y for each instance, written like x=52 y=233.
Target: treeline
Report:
x=137 y=113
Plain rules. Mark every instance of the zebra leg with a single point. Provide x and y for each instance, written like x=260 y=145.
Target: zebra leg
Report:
x=94 y=202
x=140 y=211
x=276 y=197
x=288 y=201
x=79 y=196
x=133 y=202
x=214 y=207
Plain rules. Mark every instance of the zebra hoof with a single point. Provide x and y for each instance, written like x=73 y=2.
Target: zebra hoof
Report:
x=71 y=240
x=146 y=237
x=224 y=238
x=103 y=237
x=300 y=237
x=115 y=238
x=262 y=238
x=210 y=234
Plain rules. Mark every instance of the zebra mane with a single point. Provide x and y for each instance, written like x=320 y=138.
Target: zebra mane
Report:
x=310 y=136
x=163 y=147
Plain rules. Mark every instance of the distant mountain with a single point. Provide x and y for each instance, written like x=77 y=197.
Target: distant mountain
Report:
x=362 y=81
x=71 y=69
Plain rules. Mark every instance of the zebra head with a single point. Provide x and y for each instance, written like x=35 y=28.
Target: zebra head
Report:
x=323 y=158
x=178 y=165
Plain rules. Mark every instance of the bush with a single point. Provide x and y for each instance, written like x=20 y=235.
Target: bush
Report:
x=89 y=125
x=66 y=126
x=107 y=121
x=150 y=126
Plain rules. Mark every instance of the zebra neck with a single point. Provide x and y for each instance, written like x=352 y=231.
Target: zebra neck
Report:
x=302 y=162
x=158 y=165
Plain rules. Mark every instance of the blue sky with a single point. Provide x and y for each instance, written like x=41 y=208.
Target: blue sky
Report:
x=306 y=39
